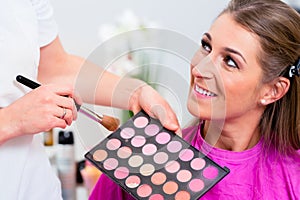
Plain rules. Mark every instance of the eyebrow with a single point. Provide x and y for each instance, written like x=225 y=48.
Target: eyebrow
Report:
x=208 y=36
x=235 y=52
x=227 y=48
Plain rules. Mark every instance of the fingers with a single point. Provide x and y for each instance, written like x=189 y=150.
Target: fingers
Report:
x=135 y=109
x=166 y=116
x=67 y=116
x=69 y=105
x=63 y=107
x=64 y=99
x=64 y=113
x=155 y=106
x=41 y=109
x=162 y=112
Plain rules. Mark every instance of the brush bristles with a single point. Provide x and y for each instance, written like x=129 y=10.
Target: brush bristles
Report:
x=110 y=123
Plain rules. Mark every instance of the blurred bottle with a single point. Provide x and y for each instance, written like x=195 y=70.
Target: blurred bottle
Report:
x=48 y=138
x=50 y=148
x=66 y=166
x=90 y=175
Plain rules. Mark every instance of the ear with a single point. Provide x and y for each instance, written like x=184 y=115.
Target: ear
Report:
x=276 y=90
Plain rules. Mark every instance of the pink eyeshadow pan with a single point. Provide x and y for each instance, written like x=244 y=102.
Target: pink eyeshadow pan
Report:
x=127 y=133
x=197 y=163
x=121 y=172
x=149 y=149
x=210 y=172
x=156 y=197
x=172 y=166
x=113 y=144
x=110 y=164
x=141 y=122
x=163 y=138
x=138 y=141
x=186 y=155
x=196 y=185
x=144 y=190
x=152 y=129
x=174 y=146
x=184 y=175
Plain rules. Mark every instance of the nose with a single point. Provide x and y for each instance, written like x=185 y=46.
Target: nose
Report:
x=205 y=68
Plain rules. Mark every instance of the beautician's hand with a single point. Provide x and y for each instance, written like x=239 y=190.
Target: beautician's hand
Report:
x=39 y=110
x=154 y=105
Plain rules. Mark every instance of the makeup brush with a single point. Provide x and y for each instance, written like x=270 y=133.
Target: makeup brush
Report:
x=110 y=123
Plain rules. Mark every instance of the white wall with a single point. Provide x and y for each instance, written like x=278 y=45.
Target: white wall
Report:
x=79 y=20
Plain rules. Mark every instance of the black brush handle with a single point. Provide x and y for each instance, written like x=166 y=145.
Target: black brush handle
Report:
x=31 y=84
x=25 y=81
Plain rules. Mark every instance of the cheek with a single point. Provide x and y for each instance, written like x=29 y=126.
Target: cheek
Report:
x=241 y=96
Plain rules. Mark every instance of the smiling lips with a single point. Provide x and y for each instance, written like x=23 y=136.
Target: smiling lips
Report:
x=204 y=92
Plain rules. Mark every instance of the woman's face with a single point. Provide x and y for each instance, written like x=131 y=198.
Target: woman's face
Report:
x=225 y=74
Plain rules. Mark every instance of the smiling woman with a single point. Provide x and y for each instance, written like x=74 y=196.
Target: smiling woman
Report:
x=249 y=61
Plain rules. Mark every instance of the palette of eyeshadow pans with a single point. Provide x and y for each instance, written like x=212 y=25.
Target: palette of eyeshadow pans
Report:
x=151 y=162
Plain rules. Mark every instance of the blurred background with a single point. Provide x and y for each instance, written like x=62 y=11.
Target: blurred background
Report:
x=86 y=25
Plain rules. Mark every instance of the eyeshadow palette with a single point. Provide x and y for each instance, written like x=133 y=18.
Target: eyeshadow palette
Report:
x=151 y=162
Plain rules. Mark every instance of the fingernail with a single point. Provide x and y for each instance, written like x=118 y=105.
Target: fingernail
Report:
x=173 y=127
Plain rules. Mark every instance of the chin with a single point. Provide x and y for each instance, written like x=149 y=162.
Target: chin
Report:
x=193 y=108
x=202 y=111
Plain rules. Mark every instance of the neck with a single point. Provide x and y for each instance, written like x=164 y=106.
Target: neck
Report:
x=231 y=136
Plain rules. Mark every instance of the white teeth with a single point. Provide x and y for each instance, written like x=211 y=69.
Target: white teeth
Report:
x=204 y=92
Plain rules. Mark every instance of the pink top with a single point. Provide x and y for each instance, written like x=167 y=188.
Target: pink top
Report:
x=252 y=174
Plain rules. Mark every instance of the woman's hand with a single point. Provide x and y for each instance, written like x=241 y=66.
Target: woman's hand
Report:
x=148 y=99
x=39 y=110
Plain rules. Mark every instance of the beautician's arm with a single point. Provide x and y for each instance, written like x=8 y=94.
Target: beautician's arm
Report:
x=97 y=86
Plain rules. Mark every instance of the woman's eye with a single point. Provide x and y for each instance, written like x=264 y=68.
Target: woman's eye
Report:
x=205 y=46
x=230 y=62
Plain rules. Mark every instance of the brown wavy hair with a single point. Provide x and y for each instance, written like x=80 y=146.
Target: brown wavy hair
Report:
x=277 y=26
